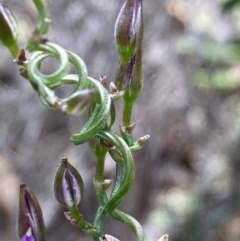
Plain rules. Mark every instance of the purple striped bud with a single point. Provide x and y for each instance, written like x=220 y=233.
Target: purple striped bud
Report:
x=28 y=236
x=129 y=76
x=68 y=184
x=129 y=29
x=30 y=220
x=8 y=29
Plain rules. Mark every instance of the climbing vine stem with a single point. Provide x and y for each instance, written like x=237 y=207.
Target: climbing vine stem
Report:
x=98 y=98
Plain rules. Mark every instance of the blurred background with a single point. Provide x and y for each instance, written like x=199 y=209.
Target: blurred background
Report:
x=188 y=174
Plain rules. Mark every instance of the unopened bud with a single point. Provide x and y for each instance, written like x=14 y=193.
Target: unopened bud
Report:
x=129 y=129
x=107 y=237
x=68 y=184
x=35 y=40
x=129 y=77
x=139 y=143
x=8 y=29
x=70 y=218
x=112 y=88
x=163 y=238
x=126 y=132
x=133 y=82
x=129 y=29
x=21 y=58
x=103 y=80
x=30 y=220
x=106 y=184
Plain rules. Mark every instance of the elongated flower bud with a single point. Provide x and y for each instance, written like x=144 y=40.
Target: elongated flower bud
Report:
x=129 y=77
x=68 y=184
x=30 y=220
x=129 y=29
x=129 y=34
x=8 y=29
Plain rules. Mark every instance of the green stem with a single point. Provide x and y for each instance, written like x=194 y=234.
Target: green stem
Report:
x=127 y=111
x=81 y=222
x=128 y=168
x=43 y=16
x=131 y=223
x=100 y=152
x=100 y=156
x=98 y=222
x=120 y=83
x=101 y=196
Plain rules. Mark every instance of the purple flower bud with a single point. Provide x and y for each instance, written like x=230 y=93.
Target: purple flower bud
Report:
x=68 y=184
x=129 y=29
x=28 y=236
x=129 y=34
x=30 y=220
x=129 y=76
x=8 y=29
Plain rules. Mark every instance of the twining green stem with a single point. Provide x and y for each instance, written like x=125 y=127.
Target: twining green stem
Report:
x=44 y=85
x=101 y=212
x=44 y=51
x=123 y=181
x=101 y=116
x=130 y=222
x=96 y=126
x=44 y=19
x=98 y=222
x=127 y=173
x=81 y=69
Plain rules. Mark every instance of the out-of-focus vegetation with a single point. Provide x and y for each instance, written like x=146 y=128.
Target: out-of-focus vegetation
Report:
x=188 y=175
x=229 y=5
